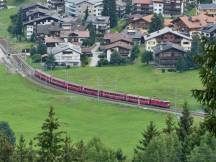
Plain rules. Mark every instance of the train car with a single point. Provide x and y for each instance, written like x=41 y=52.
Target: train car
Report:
x=160 y=103
x=112 y=95
x=42 y=76
x=74 y=87
x=58 y=82
x=90 y=91
x=144 y=100
x=132 y=99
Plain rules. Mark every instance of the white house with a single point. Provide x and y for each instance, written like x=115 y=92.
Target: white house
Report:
x=66 y=54
x=78 y=7
x=167 y=35
x=29 y=31
x=158 y=6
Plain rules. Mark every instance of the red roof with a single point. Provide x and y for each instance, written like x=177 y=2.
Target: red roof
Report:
x=118 y=44
x=142 y=2
x=196 y=22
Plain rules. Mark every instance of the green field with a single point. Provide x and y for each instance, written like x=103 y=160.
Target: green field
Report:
x=138 y=79
x=25 y=106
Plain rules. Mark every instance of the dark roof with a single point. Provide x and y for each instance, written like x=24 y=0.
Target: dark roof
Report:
x=118 y=44
x=47 y=28
x=167 y=46
x=115 y=37
x=42 y=18
x=41 y=10
x=209 y=29
x=29 y=5
x=98 y=19
x=207 y=6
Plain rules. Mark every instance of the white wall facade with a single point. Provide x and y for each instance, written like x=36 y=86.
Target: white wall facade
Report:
x=70 y=59
x=29 y=31
x=158 y=8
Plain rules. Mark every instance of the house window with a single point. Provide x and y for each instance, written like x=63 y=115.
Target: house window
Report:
x=185 y=43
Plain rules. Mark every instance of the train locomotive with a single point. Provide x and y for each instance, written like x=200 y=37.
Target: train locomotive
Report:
x=119 y=97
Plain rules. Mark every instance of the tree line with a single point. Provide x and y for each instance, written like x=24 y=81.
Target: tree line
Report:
x=179 y=141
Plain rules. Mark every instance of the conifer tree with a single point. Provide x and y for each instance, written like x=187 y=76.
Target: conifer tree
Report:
x=80 y=152
x=128 y=7
x=31 y=155
x=170 y=125
x=184 y=132
x=50 y=141
x=21 y=151
x=7 y=132
x=109 y=9
x=207 y=95
x=19 y=25
x=147 y=136
x=67 y=151
x=157 y=23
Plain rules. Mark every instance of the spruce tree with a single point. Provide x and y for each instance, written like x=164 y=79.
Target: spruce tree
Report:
x=50 y=141
x=109 y=9
x=147 y=136
x=68 y=151
x=21 y=151
x=19 y=25
x=184 y=132
x=31 y=155
x=112 y=14
x=106 y=8
x=170 y=125
x=207 y=95
x=157 y=23
x=7 y=132
x=128 y=8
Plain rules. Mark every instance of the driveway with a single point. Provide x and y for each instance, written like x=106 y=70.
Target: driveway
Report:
x=95 y=54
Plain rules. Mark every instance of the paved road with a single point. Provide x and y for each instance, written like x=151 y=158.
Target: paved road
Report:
x=2 y=56
x=95 y=59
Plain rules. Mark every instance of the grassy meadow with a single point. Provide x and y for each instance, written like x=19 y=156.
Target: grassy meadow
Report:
x=138 y=79
x=25 y=106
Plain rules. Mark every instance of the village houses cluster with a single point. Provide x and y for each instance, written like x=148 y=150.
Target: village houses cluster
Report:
x=59 y=24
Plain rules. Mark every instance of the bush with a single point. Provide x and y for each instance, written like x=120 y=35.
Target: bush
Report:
x=102 y=62
x=163 y=70
x=36 y=58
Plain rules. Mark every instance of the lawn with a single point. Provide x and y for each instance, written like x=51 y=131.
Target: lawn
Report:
x=138 y=79
x=25 y=106
x=20 y=2
x=120 y=26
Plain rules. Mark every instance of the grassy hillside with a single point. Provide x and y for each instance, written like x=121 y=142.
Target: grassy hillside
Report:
x=25 y=106
x=138 y=79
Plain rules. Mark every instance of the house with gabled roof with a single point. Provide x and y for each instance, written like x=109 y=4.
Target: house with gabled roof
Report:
x=142 y=23
x=167 y=35
x=193 y=24
x=209 y=31
x=124 y=49
x=66 y=54
x=166 y=55
x=117 y=37
x=74 y=36
x=31 y=6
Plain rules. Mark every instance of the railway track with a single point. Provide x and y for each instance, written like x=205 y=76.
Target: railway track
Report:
x=27 y=71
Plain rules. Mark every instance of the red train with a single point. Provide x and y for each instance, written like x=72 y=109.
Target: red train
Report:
x=137 y=100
